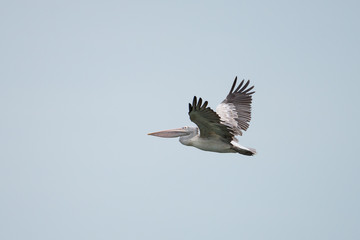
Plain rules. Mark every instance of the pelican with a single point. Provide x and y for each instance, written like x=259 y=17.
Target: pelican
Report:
x=216 y=131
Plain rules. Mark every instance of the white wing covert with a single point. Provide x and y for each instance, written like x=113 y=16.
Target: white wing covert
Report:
x=235 y=110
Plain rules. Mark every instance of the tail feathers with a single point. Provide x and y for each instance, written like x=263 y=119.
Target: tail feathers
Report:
x=243 y=150
x=253 y=151
x=247 y=152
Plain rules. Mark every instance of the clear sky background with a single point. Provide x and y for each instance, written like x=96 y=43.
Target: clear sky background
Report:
x=83 y=82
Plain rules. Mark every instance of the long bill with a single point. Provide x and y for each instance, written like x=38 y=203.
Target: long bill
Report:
x=177 y=132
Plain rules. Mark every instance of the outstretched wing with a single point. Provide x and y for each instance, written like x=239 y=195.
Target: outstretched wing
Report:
x=208 y=121
x=235 y=110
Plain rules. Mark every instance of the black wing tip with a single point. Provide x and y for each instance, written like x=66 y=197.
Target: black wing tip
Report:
x=241 y=88
x=233 y=86
x=197 y=104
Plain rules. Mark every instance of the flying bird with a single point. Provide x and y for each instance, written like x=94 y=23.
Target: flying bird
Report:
x=217 y=131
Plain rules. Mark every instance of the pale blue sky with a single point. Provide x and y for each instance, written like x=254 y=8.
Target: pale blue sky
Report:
x=83 y=82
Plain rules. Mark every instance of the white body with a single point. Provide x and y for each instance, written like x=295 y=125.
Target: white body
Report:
x=213 y=144
x=207 y=144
